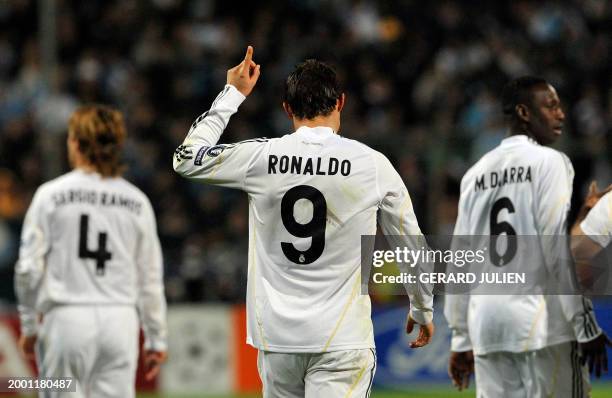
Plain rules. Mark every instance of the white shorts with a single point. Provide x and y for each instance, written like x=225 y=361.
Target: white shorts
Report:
x=333 y=374
x=553 y=371
x=97 y=345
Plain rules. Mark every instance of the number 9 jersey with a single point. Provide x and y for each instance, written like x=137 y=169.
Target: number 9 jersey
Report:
x=312 y=195
x=89 y=240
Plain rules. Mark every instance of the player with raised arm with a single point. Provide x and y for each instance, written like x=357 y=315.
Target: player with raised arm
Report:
x=522 y=345
x=312 y=195
x=90 y=264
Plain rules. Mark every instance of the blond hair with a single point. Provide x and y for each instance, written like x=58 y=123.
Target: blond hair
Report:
x=100 y=133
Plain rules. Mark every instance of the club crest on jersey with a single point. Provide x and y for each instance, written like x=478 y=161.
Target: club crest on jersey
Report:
x=200 y=155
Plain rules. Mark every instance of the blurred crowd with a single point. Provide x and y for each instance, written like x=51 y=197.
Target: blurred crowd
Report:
x=422 y=80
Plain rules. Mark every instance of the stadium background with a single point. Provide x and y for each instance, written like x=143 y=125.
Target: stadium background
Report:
x=422 y=80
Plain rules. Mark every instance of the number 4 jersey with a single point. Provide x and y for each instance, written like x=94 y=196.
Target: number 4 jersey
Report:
x=519 y=189
x=312 y=195
x=91 y=240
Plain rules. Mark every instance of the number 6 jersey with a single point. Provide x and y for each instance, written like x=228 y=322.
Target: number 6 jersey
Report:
x=89 y=240
x=518 y=189
x=312 y=195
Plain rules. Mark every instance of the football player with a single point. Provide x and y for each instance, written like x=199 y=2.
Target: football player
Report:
x=90 y=264
x=522 y=345
x=312 y=195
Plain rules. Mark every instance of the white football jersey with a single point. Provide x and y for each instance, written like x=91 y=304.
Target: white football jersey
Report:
x=519 y=188
x=91 y=240
x=312 y=195
x=598 y=223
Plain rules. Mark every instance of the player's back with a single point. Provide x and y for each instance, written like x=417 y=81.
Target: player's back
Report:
x=507 y=193
x=94 y=229
x=313 y=194
x=318 y=195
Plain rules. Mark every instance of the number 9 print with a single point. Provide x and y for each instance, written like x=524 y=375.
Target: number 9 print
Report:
x=314 y=229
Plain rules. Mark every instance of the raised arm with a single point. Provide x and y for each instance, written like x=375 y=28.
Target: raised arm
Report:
x=199 y=157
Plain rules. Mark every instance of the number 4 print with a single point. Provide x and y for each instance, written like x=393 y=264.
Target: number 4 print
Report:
x=101 y=255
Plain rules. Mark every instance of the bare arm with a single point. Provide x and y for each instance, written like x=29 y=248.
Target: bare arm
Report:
x=585 y=245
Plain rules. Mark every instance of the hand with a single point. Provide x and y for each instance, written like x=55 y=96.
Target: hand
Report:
x=594 y=194
x=594 y=352
x=460 y=368
x=27 y=344
x=426 y=332
x=153 y=361
x=244 y=75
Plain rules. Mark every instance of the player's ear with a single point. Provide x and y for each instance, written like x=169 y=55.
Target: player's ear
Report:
x=522 y=112
x=340 y=102
x=73 y=143
x=288 y=110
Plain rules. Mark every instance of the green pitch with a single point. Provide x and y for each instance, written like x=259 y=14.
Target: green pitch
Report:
x=599 y=391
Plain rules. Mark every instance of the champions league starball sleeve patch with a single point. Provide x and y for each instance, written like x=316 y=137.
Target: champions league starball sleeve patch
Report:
x=216 y=150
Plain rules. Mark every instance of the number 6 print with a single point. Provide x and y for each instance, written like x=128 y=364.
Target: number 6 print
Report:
x=498 y=228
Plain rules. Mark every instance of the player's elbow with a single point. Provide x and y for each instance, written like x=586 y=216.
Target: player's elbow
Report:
x=180 y=160
x=180 y=166
x=28 y=275
x=176 y=165
x=584 y=252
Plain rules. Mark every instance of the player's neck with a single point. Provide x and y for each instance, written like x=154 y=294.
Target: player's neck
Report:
x=331 y=121
x=80 y=163
x=521 y=131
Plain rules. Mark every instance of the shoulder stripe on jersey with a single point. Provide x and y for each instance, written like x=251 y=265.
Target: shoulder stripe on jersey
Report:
x=261 y=139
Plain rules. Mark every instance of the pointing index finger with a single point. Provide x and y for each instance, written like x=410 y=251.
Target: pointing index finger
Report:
x=248 y=56
x=249 y=53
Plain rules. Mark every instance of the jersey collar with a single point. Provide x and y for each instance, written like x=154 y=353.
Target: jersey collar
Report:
x=319 y=131
x=518 y=139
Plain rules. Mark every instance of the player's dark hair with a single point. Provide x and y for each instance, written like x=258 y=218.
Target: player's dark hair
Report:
x=519 y=91
x=100 y=132
x=312 y=89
